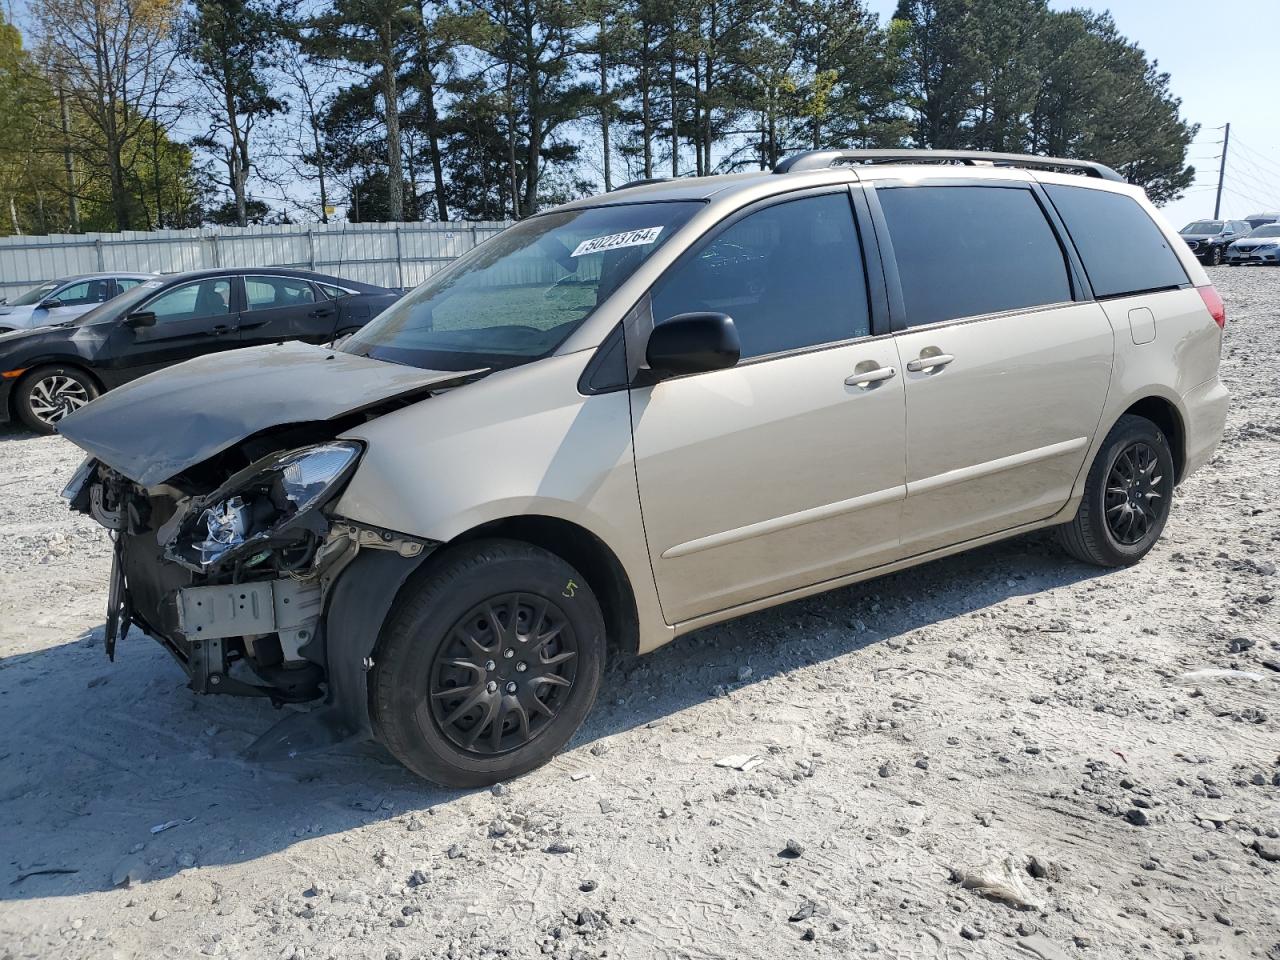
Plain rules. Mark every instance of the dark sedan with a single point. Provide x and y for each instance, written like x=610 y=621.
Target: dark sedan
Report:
x=1209 y=239
x=49 y=372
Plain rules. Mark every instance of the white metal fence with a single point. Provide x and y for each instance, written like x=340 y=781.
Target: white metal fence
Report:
x=388 y=254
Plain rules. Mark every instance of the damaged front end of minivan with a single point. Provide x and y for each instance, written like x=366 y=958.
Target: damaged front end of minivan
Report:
x=236 y=563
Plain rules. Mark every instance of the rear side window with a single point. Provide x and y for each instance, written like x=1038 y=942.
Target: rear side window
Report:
x=967 y=251
x=1122 y=249
x=267 y=293
x=790 y=276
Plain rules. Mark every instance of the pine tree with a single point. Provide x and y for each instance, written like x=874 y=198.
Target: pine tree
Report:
x=228 y=45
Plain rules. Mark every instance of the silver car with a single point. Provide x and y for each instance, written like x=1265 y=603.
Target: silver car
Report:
x=639 y=414
x=1261 y=246
x=59 y=300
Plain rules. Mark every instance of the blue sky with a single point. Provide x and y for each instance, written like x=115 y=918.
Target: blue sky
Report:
x=1221 y=58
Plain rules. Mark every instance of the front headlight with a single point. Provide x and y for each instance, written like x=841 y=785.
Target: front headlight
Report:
x=273 y=503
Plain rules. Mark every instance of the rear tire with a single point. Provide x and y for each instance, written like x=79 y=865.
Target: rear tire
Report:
x=48 y=394
x=459 y=691
x=1127 y=496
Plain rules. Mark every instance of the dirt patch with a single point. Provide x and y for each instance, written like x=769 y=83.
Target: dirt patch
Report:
x=997 y=755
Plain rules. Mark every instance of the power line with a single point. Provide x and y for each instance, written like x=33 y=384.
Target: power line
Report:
x=1258 y=157
x=1257 y=204
x=1265 y=184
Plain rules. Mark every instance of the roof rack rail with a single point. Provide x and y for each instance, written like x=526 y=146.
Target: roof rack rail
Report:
x=822 y=159
x=638 y=183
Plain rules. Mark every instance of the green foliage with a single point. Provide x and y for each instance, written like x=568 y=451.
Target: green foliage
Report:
x=1012 y=75
x=228 y=45
x=28 y=177
x=496 y=108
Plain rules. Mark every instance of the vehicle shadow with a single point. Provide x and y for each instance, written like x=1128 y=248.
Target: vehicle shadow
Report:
x=97 y=757
x=15 y=431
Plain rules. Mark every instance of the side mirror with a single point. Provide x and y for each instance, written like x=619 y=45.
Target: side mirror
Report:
x=693 y=343
x=51 y=304
x=143 y=318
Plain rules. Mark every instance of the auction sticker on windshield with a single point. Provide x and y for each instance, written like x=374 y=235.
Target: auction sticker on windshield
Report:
x=631 y=238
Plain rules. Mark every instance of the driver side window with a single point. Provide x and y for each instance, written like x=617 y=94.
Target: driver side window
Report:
x=205 y=298
x=790 y=276
x=84 y=293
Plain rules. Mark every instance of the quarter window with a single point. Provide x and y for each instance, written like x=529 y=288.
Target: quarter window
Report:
x=127 y=283
x=207 y=298
x=1122 y=249
x=267 y=293
x=789 y=275
x=332 y=292
x=966 y=251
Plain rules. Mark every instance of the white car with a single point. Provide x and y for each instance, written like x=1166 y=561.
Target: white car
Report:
x=65 y=299
x=1261 y=246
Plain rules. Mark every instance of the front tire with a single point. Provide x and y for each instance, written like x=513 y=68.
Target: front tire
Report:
x=489 y=666
x=48 y=394
x=1127 y=496
x=1215 y=257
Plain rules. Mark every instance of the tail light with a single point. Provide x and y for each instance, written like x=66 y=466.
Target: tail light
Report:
x=1217 y=309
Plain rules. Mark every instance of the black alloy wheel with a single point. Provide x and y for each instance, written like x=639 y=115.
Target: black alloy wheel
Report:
x=1134 y=494
x=488 y=664
x=503 y=673
x=1128 y=494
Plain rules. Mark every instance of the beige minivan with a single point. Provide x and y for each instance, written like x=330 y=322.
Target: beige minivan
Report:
x=649 y=411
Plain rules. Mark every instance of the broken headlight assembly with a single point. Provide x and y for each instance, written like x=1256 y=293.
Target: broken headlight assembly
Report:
x=270 y=509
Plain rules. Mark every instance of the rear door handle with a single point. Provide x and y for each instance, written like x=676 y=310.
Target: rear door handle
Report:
x=867 y=377
x=320 y=313
x=938 y=360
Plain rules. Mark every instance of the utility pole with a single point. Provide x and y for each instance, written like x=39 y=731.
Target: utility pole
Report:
x=1222 y=171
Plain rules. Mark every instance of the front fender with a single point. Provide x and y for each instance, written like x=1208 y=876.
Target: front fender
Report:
x=361 y=600
x=520 y=442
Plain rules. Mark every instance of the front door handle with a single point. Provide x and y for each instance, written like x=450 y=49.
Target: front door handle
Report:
x=866 y=378
x=220 y=328
x=936 y=361
x=320 y=313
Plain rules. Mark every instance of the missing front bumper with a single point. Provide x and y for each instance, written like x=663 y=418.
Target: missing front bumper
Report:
x=286 y=607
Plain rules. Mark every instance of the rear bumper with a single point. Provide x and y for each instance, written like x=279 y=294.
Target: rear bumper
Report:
x=1206 y=416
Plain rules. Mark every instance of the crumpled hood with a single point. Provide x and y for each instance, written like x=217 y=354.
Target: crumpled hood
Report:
x=154 y=428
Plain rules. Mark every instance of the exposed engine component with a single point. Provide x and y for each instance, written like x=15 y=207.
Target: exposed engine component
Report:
x=271 y=503
x=238 y=574
x=226 y=525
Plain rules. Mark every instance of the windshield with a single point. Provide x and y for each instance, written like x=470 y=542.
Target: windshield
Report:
x=517 y=297
x=1270 y=230
x=1203 y=227
x=35 y=295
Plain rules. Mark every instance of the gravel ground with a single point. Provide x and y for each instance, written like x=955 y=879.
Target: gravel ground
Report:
x=1003 y=754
